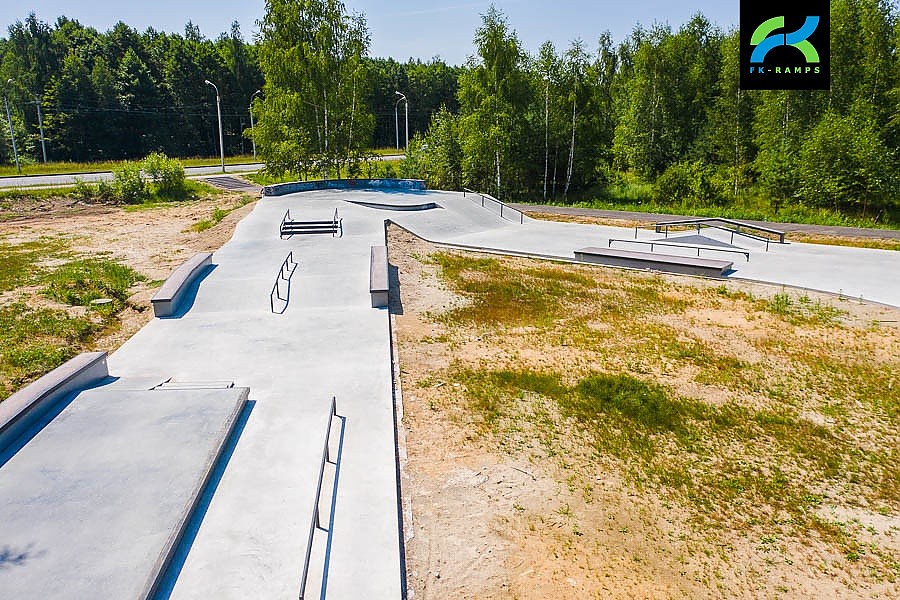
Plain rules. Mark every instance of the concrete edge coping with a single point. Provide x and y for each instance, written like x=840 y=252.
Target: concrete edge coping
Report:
x=165 y=300
x=378 y=276
x=20 y=409
x=164 y=561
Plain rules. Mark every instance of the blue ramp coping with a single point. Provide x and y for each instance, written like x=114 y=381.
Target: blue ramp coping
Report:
x=94 y=505
x=404 y=185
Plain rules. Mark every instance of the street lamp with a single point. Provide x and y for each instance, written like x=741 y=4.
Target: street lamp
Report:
x=37 y=103
x=12 y=135
x=219 y=112
x=396 y=122
x=253 y=139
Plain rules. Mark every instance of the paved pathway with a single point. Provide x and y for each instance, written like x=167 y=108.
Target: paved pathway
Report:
x=834 y=230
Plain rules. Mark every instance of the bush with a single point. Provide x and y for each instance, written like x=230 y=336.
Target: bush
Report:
x=167 y=174
x=128 y=184
x=689 y=184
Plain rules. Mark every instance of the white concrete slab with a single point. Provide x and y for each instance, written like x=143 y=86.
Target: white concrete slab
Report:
x=94 y=502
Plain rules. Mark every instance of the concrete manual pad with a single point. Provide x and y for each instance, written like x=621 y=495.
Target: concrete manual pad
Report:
x=94 y=503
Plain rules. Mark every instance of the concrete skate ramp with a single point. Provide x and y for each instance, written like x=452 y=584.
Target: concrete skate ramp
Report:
x=94 y=504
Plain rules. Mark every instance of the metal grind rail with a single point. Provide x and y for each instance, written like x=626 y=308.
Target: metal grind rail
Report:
x=736 y=227
x=316 y=521
x=503 y=207
x=653 y=243
x=285 y=273
x=288 y=227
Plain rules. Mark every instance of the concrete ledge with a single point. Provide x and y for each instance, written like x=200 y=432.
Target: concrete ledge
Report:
x=165 y=300
x=378 y=276
x=686 y=265
x=281 y=189
x=24 y=407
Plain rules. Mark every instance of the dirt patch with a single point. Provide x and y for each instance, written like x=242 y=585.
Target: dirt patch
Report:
x=153 y=241
x=530 y=505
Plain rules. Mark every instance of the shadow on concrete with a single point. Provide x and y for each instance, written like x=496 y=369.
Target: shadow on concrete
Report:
x=395 y=303
x=190 y=294
x=167 y=580
x=43 y=416
x=13 y=557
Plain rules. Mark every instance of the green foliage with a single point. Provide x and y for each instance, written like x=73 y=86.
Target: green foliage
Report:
x=166 y=173
x=312 y=115
x=688 y=184
x=437 y=156
x=128 y=184
x=79 y=282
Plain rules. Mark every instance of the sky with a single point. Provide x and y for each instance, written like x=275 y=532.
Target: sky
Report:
x=401 y=29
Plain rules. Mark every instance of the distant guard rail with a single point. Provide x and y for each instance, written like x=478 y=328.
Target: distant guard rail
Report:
x=504 y=208
x=729 y=225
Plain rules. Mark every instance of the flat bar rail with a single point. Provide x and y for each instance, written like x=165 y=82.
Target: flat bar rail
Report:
x=503 y=207
x=316 y=522
x=285 y=273
x=729 y=225
x=653 y=243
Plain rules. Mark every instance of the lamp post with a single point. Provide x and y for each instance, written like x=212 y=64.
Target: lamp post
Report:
x=12 y=135
x=37 y=103
x=219 y=112
x=253 y=139
x=396 y=123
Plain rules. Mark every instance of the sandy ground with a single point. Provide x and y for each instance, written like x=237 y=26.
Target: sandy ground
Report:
x=499 y=518
x=153 y=241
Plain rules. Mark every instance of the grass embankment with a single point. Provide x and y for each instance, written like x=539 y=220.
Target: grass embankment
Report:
x=633 y=194
x=751 y=412
x=46 y=310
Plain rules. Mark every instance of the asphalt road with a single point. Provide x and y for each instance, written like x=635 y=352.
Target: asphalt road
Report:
x=69 y=178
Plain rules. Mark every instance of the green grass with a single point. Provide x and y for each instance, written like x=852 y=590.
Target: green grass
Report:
x=218 y=214
x=79 y=282
x=19 y=262
x=33 y=339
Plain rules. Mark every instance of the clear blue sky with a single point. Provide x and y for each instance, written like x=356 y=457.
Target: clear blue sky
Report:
x=401 y=28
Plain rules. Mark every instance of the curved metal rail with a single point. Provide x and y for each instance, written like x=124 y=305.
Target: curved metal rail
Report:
x=285 y=273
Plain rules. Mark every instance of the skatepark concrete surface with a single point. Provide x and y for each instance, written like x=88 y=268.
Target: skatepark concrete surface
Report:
x=250 y=538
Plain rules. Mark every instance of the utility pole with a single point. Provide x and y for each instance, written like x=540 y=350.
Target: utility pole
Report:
x=396 y=124
x=252 y=138
x=219 y=112
x=37 y=103
x=12 y=134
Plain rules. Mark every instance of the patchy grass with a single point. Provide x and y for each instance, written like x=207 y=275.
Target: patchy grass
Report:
x=37 y=335
x=79 y=282
x=19 y=263
x=738 y=405
x=218 y=214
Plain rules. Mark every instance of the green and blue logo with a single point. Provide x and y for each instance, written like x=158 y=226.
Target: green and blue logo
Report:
x=785 y=47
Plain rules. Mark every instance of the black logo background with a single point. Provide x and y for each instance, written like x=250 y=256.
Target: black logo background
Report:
x=795 y=13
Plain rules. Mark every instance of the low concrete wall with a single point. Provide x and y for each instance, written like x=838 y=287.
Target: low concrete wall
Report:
x=22 y=409
x=165 y=300
x=668 y=263
x=281 y=189
x=378 y=276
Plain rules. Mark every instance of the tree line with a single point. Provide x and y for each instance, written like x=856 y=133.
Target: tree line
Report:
x=665 y=107
x=662 y=107
x=122 y=94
